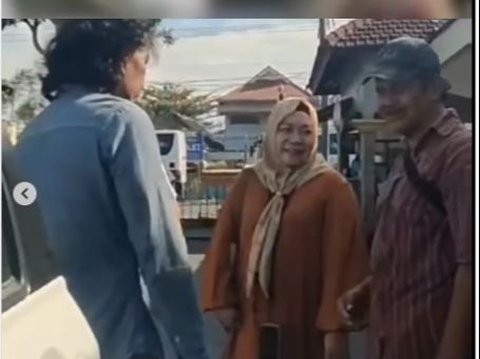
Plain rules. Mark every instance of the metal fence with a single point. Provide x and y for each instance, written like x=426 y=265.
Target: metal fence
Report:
x=204 y=202
x=200 y=201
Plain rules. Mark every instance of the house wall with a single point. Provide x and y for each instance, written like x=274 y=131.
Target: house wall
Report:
x=351 y=82
x=453 y=39
x=458 y=71
x=239 y=107
x=454 y=47
x=353 y=71
x=239 y=137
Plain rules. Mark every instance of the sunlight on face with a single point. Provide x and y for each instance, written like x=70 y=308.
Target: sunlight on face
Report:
x=135 y=70
x=295 y=139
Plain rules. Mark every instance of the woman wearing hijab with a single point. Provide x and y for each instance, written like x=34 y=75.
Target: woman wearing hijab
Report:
x=286 y=245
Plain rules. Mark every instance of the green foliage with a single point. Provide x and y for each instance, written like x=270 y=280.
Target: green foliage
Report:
x=166 y=103
x=21 y=96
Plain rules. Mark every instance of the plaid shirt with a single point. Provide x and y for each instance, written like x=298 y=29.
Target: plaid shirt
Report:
x=416 y=249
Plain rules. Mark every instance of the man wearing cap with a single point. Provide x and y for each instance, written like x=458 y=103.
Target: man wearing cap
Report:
x=420 y=288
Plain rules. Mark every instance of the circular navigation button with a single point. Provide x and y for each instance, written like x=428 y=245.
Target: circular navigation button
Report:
x=24 y=193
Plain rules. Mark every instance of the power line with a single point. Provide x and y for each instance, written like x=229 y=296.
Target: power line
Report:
x=228 y=85
x=213 y=80
x=219 y=29
x=21 y=38
x=256 y=30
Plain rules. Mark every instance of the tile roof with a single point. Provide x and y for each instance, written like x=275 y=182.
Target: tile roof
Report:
x=264 y=87
x=371 y=32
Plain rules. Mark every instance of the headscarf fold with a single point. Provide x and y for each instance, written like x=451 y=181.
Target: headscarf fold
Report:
x=281 y=182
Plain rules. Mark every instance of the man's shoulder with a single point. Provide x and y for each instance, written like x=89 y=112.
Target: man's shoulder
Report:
x=114 y=113
x=458 y=142
x=452 y=130
x=450 y=139
x=112 y=105
x=453 y=148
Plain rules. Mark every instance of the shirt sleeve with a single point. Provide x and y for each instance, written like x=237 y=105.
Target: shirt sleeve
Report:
x=154 y=229
x=456 y=188
x=345 y=254
x=219 y=287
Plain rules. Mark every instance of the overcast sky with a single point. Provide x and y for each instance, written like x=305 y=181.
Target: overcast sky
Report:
x=208 y=54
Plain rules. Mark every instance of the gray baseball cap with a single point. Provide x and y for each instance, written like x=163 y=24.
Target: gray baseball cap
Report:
x=404 y=58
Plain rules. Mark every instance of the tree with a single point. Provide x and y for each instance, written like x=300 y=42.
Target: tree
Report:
x=33 y=25
x=168 y=104
x=7 y=92
x=26 y=111
x=21 y=96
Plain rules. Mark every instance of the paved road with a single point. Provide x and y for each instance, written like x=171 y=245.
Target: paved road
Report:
x=216 y=337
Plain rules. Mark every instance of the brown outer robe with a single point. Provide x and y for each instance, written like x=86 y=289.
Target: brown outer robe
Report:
x=320 y=253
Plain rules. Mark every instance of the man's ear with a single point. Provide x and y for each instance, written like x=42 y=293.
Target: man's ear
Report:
x=123 y=66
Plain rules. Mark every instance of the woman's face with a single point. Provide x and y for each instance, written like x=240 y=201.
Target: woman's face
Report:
x=295 y=139
x=134 y=71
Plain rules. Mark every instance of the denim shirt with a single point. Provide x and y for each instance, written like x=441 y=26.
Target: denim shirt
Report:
x=109 y=214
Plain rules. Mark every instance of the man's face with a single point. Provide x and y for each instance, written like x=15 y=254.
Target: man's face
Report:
x=402 y=104
x=134 y=71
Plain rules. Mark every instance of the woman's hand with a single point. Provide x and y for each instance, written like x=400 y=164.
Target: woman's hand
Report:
x=336 y=345
x=227 y=318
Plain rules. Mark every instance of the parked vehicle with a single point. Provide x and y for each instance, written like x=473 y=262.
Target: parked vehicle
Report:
x=173 y=148
x=40 y=319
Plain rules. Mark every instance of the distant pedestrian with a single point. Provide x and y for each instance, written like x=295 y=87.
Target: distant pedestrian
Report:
x=104 y=195
x=355 y=167
x=421 y=283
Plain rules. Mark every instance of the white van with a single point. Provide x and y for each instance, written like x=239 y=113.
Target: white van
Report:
x=173 y=148
x=40 y=319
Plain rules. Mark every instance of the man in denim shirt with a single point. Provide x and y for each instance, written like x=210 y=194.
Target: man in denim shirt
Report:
x=104 y=195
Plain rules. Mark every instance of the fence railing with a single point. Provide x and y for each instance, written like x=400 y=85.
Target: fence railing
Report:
x=205 y=193
x=204 y=199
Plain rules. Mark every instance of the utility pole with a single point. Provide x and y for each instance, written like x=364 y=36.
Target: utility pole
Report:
x=323 y=144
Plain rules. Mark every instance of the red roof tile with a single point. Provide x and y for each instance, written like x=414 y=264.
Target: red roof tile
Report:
x=265 y=86
x=370 y=32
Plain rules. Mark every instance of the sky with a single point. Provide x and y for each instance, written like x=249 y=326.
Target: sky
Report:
x=211 y=55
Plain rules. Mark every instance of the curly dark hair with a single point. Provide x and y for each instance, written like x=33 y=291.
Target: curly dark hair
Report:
x=91 y=53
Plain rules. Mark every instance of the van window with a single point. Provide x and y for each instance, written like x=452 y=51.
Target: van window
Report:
x=165 y=141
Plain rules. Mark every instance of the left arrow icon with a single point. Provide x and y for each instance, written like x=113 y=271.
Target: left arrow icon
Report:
x=24 y=193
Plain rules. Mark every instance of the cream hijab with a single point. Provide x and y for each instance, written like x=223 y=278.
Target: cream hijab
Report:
x=281 y=182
